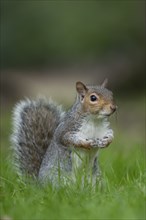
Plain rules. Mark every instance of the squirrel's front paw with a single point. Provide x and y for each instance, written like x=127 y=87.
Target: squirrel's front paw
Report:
x=104 y=142
x=92 y=143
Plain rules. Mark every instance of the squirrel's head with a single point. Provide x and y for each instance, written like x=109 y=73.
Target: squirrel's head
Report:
x=96 y=99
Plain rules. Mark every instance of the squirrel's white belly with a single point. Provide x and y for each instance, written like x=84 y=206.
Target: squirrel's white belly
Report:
x=93 y=129
x=89 y=130
x=82 y=163
x=82 y=158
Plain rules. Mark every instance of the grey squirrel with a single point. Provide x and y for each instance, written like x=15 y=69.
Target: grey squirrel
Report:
x=55 y=146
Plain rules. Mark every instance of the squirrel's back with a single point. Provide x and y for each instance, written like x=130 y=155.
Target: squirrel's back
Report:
x=34 y=123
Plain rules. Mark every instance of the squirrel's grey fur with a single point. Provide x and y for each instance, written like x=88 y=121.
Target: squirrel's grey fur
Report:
x=52 y=145
x=34 y=123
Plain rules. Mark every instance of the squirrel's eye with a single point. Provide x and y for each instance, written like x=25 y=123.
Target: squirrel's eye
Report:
x=93 y=98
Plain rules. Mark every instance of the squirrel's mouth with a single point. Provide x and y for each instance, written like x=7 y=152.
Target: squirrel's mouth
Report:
x=105 y=114
x=113 y=108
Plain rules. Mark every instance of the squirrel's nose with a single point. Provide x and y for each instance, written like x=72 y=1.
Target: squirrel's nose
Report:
x=113 y=107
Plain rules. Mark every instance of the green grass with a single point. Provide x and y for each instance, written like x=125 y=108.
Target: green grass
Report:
x=122 y=195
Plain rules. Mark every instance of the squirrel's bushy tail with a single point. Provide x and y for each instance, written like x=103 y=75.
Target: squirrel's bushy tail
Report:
x=34 y=123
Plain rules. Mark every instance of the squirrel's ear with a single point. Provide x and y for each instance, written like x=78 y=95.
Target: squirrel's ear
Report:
x=105 y=82
x=81 y=88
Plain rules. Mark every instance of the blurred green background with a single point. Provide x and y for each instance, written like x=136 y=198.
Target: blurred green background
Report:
x=46 y=33
x=46 y=46
x=67 y=41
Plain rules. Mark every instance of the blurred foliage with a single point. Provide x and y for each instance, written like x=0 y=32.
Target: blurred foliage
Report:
x=48 y=32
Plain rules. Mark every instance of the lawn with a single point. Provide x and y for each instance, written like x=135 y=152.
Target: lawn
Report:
x=122 y=195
